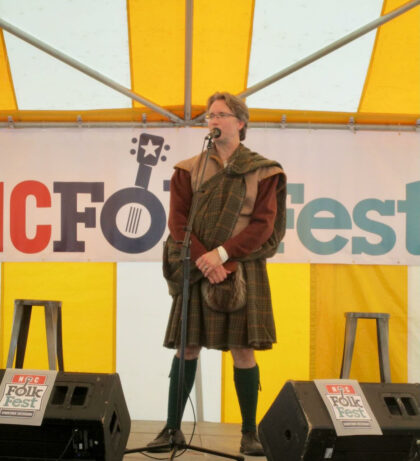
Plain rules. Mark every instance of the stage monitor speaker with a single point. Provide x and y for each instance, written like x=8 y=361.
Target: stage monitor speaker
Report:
x=86 y=419
x=297 y=427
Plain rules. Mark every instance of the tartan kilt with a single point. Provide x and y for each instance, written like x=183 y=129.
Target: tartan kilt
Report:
x=250 y=327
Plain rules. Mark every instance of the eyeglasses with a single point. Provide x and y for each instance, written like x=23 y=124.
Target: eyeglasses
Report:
x=211 y=116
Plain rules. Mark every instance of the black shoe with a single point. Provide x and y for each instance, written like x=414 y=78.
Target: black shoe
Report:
x=251 y=445
x=161 y=444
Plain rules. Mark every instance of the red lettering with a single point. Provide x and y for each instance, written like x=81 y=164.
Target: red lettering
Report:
x=340 y=388
x=18 y=216
x=33 y=379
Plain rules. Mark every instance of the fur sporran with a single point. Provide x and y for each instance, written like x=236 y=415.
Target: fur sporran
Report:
x=227 y=296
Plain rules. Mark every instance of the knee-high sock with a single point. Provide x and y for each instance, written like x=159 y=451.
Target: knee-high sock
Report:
x=189 y=377
x=247 y=381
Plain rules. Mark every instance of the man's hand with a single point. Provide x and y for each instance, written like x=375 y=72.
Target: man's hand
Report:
x=218 y=275
x=208 y=262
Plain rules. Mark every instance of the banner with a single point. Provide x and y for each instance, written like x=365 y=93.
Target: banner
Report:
x=102 y=194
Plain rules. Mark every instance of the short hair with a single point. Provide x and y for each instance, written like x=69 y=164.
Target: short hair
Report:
x=236 y=105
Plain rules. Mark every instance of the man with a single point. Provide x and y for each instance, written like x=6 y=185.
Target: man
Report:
x=240 y=221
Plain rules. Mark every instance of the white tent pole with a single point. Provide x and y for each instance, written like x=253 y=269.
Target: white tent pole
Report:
x=188 y=57
x=85 y=69
x=324 y=51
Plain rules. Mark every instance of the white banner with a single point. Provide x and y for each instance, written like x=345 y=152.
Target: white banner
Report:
x=81 y=194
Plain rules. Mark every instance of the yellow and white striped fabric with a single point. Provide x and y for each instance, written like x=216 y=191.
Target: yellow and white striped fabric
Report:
x=141 y=45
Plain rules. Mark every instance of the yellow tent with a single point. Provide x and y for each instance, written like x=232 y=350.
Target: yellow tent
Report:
x=154 y=64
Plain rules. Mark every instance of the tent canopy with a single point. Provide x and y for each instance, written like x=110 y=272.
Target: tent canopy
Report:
x=176 y=53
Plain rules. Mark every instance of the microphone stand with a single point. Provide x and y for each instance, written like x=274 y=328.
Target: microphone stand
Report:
x=186 y=261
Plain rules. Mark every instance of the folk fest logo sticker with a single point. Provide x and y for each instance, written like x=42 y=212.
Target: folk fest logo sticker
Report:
x=348 y=408
x=24 y=395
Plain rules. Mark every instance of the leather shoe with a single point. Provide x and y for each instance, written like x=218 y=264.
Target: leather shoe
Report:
x=162 y=442
x=251 y=445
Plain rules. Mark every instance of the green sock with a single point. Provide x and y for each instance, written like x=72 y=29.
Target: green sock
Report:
x=247 y=381
x=189 y=377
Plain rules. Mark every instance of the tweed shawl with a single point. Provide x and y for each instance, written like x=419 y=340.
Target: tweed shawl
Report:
x=219 y=202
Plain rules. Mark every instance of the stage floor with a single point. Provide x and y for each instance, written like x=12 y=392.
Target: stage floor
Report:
x=215 y=436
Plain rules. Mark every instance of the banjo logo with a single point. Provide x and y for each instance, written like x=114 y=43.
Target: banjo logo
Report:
x=121 y=213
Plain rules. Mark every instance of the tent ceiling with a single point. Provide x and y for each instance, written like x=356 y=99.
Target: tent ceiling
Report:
x=141 y=45
x=330 y=83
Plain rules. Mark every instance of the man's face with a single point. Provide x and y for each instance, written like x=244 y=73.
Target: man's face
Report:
x=228 y=125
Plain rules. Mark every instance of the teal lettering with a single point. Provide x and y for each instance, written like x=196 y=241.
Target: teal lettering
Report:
x=411 y=207
x=8 y=400
x=362 y=413
x=296 y=192
x=308 y=220
x=361 y=244
x=342 y=411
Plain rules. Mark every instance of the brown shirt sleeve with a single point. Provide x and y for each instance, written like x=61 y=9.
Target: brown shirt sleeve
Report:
x=261 y=224
x=179 y=208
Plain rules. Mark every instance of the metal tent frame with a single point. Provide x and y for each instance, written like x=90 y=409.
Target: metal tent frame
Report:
x=174 y=120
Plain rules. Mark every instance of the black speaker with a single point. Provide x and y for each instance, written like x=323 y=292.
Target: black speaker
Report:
x=86 y=419
x=297 y=427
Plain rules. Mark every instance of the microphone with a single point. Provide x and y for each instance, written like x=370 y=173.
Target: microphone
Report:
x=214 y=133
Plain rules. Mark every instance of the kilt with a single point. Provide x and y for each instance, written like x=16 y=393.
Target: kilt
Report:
x=250 y=327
